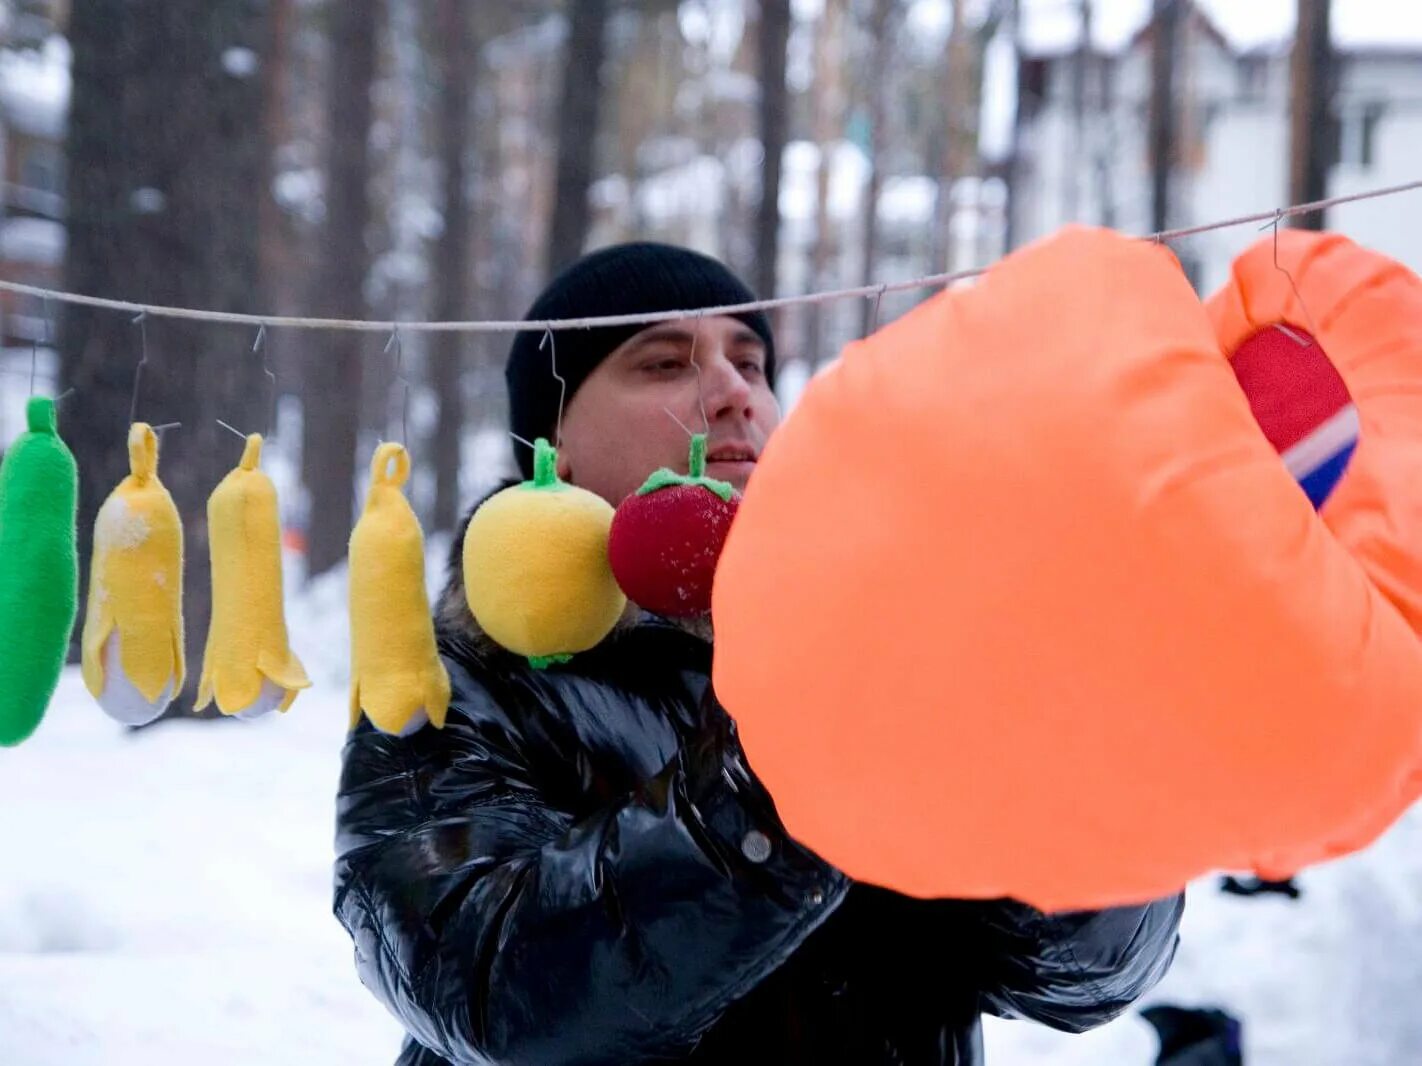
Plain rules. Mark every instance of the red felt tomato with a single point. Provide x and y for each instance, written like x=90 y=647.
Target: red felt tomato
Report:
x=667 y=537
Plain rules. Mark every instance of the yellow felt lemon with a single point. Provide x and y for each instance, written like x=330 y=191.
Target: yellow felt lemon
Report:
x=248 y=667
x=536 y=571
x=133 y=625
x=397 y=677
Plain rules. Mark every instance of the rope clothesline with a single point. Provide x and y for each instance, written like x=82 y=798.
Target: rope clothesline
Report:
x=644 y=318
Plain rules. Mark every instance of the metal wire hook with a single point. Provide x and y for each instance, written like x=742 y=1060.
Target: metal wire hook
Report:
x=684 y=427
x=700 y=391
x=398 y=345
x=259 y=345
x=34 y=344
x=552 y=343
x=878 y=303
x=141 y=321
x=1302 y=342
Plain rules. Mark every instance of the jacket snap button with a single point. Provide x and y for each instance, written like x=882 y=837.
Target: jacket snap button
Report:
x=755 y=846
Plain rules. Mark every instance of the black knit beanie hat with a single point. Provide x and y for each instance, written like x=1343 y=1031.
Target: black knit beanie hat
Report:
x=624 y=279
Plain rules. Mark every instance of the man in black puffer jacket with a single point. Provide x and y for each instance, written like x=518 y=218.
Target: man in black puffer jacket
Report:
x=580 y=868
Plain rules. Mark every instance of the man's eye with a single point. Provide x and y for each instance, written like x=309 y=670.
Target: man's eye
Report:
x=665 y=366
x=751 y=366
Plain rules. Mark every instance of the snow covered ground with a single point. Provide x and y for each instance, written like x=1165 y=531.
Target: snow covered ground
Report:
x=165 y=895
x=1334 y=979
x=165 y=900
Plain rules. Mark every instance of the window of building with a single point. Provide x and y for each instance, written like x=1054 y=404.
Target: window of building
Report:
x=1358 y=135
x=1253 y=78
x=41 y=168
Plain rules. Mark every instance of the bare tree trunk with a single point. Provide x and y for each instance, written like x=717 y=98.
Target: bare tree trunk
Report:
x=1311 y=110
x=1078 y=157
x=459 y=63
x=830 y=102
x=1104 y=144
x=1014 y=156
x=959 y=131
x=274 y=237
x=1162 y=109
x=577 y=119
x=774 y=123
x=163 y=208
x=332 y=381
x=878 y=141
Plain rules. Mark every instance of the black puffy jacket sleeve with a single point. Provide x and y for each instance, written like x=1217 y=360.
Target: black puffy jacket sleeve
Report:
x=1076 y=970
x=502 y=925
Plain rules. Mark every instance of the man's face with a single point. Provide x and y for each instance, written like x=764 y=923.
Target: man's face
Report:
x=619 y=425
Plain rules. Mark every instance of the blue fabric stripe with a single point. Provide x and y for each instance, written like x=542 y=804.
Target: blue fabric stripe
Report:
x=1320 y=482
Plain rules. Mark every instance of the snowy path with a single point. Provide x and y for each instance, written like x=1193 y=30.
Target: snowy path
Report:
x=165 y=899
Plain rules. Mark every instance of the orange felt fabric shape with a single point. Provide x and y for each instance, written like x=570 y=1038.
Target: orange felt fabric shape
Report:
x=1020 y=601
x=1368 y=311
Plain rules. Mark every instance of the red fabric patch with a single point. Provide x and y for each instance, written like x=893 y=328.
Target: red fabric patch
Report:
x=664 y=547
x=1292 y=389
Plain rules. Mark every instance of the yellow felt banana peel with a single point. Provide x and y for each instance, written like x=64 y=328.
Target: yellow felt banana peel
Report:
x=248 y=667
x=132 y=646
x=397 y=677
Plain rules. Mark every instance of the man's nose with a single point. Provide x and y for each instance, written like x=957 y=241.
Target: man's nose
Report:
x=725 y=390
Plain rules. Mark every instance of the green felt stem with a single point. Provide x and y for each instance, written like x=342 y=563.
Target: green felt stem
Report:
x=545 y=465
x=660 y=479
x=39 y=570
x=41 y=415
x=665 y=478
x=543 y=662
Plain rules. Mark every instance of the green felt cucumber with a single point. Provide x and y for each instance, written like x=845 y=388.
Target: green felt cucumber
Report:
x=39 y=569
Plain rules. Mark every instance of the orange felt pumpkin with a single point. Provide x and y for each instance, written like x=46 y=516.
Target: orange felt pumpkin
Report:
x=1021 y=601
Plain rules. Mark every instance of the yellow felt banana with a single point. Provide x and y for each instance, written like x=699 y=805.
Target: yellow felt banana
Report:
x=248 y=667
x=133 y=626
x=397 y=677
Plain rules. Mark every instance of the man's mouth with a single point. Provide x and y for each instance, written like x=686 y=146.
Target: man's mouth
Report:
x=731 y=454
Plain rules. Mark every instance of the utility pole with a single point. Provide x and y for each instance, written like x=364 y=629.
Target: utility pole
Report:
x=1311 y=111
x=1162 y=109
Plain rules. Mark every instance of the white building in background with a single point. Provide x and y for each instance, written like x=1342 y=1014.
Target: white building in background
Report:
x=34 y=103
x=1232 y=127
